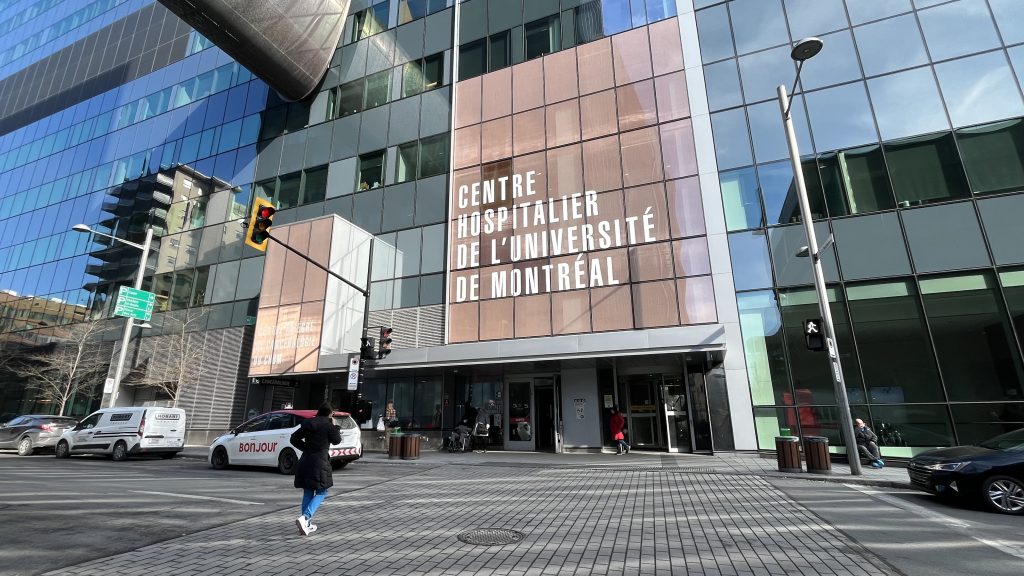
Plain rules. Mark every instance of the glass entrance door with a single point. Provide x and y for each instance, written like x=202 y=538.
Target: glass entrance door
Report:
x=643 y=427
x=677 y=415
x=520 y=415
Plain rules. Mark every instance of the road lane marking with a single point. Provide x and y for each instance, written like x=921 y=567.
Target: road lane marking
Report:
x=191 y=496
x=957 y=524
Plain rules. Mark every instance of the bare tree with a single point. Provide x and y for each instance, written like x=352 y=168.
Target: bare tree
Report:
x=175 y=359
x=70 y=364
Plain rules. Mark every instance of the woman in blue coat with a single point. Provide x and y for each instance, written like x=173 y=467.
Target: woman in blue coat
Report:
x=314 y=438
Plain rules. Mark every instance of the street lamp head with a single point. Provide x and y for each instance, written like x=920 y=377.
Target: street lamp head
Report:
x=144 y=326
x=804 y=252
x=806 y=49
x=81 y=228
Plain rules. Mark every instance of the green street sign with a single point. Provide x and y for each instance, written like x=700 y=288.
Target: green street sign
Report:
x=137 y=304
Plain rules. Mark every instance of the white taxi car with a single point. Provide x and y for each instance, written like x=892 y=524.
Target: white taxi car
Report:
x=264 y=441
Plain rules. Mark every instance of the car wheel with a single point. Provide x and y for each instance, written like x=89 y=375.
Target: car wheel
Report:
x=25 y=447
x=168 y=455
x=287 y=462
x=120 y=451
x=219 y=460
x=339 y=464
x=1004 y=494
x=62 y=450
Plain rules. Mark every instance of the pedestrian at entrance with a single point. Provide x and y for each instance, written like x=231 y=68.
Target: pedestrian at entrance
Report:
x=313 y=475
x=618 y=429
x=867 y=443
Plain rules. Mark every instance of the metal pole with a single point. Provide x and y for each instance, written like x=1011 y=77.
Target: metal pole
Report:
x=842 y=402
x=129 y=324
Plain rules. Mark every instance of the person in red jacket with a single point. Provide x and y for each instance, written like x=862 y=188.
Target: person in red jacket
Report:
x=618 y=427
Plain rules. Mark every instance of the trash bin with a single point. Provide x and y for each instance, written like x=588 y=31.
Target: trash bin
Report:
x=816 y=454
x=787 y=450
x=395 y=446
x=411 y=446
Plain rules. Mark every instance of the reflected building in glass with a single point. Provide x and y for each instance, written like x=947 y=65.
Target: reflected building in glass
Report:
x=578 y=205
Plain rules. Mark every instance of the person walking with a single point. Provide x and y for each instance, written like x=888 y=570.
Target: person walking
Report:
x=313 y=475
x=867 y=443
x=618 y=427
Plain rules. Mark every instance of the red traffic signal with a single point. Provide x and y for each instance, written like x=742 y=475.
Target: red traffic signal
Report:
x=385 y=342
x=259 y=224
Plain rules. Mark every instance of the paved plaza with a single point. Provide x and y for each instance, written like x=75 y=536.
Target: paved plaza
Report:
x=627 y=519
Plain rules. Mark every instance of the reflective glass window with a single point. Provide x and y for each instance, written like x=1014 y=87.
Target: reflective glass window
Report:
x=434 y=155
x=758 y=24
x=867 y=10
x=768 y=135
x=732 y=140
x=751 y=265
x=993 y=156
x=378 y=89
x=723 y=85
x=371 y=170
x=715 y=33
x=926 y=169
x=893 y=344
x=871 y=246
x=815 y=17
x=958 y=28
x=1001 y=219
x=945 y=237
x=741 y=200
x=890 y=45
x=589 y=22
x=925 y=425
x=288 y=191
x=976 y=423
x=763 y=72
x=405 y=162
x=660 y=9
x=543 y=37
x=314 y=185
x=615 y=16
x=890 y=95
x=499 y=50
x=855 y=181
x=764 y=347
x=968 y=104
x=977 y=353
x=793 y=270
x=472 y=59
x=834 y=65
x=778 y=190
x=841 y=117
x=1010 y=19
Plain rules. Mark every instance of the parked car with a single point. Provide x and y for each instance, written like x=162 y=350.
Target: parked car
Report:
x=265 y=441
x=122 y=432
x=33 y=432
x=991 y=472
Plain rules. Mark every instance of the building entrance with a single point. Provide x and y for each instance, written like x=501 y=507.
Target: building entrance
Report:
x=667 y=411
x=533 y=413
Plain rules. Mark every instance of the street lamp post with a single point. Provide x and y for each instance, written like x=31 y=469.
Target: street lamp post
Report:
x=129 y=322
x=803 y=50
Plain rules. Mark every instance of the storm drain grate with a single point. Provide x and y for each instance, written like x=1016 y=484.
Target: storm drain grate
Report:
x=491 y=537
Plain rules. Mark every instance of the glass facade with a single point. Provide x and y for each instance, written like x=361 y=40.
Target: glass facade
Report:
x=907 y=159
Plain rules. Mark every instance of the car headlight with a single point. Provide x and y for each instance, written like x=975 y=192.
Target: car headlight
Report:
x=947 y=466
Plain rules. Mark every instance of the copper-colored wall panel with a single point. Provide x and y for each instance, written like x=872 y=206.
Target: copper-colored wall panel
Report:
x=570 y=312
x=527 y=85
x=563 y=123
x=465 y=177
x=678 y=149
x=697 y=300
x=611 y=308
x=651 y=261
x=655 y=304
x=560 y=76
x=613 y=264
x=667 y=47
x=315 y=286
x=497 y=94
x=528 y=131
x=565 y=171
x=692 y=258
x=285 y=333
x=497 y=139
x=641 y=157
x=294 y=265
x=631 y=56
x=595 y=66
x=467 y=146
x=273 y=275
x=467 y=102
x=673 y=101
x=261 y=358
x=533 y=316
x=497 y=319
x=464 y=322
x=637 y=105
x=538 y=164
x=602 y=164
x=307 y=339
x=641 y=199
x=599 y=114
x=686 y=209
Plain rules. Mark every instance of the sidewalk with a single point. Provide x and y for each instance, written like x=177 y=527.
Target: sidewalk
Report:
x=558 y=520
x=740 y=463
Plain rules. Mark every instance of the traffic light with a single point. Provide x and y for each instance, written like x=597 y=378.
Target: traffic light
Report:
x=259 y=224
x=813 y=337
x=366 y=351
x=385 y=342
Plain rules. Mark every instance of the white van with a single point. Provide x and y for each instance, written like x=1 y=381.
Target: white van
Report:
x=122 y=432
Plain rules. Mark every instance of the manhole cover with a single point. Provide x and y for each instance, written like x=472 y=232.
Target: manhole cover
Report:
x=491 y=537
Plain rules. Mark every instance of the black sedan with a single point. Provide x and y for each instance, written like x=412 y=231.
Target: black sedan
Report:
x=992 y=472
x=33 y=432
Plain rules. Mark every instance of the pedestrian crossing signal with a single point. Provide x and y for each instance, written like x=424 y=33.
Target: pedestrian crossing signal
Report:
x=813 y=336
x=259 y=224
